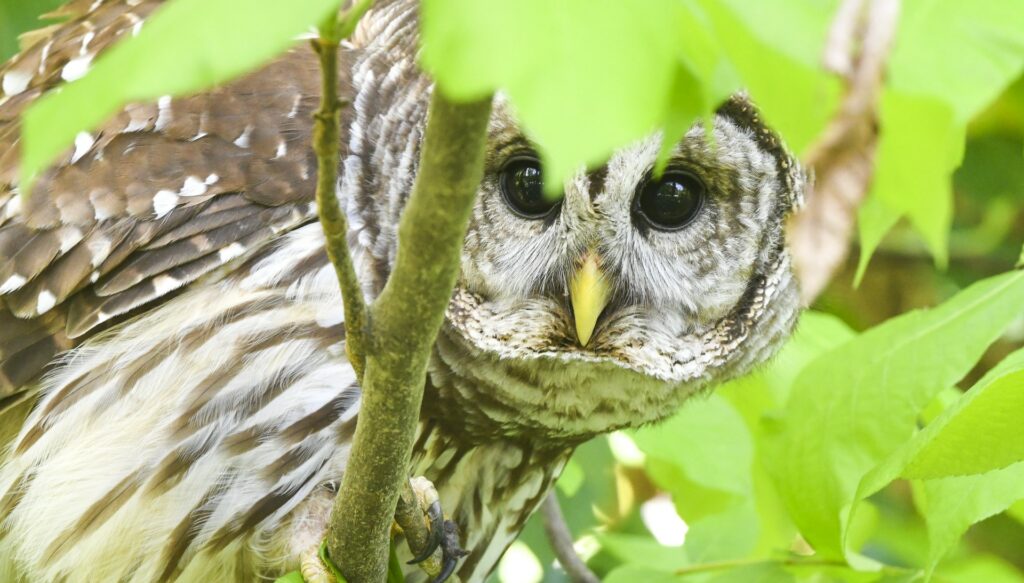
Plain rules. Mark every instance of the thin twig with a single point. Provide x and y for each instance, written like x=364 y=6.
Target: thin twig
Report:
x=843 y=158
x=326 y=143
x=406 y=319
x=561 y=542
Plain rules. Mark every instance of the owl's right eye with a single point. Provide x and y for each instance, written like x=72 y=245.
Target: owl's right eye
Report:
x=522 y=186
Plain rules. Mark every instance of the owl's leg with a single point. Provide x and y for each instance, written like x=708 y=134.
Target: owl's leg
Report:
x=436 y=547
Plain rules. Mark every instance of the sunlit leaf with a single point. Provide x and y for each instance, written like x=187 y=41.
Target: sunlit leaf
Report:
x=919 y=148
x=854 y=405
x=951 y=505
x=598 y=73
x=799 y=106
x=981 y=432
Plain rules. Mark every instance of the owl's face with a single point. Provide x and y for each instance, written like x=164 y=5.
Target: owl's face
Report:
x=658 y=284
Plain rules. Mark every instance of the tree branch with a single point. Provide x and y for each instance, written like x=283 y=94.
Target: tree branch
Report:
x=326 y=141
x=406 y=318
x=843 y=158
x=561 y=542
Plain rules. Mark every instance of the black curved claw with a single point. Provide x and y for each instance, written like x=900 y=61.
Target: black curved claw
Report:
x=450 y=550
x=436 y=536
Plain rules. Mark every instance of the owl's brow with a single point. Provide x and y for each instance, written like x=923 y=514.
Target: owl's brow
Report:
x=505 y=145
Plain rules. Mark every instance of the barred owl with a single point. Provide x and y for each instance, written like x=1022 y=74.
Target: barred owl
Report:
x=172 y=329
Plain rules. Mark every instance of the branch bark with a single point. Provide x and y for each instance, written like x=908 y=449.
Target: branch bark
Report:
x=406 y=319
x=843 y=158
x=561 y=542
x=326 y=144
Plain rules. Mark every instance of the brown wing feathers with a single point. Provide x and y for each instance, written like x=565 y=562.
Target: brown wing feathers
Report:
x=159 y=196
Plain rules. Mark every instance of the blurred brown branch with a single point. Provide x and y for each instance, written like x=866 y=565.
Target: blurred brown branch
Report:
x=560 y=540
x=843 y=158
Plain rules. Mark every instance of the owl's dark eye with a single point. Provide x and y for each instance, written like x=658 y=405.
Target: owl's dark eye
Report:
x=672 y=202
x=522 y=185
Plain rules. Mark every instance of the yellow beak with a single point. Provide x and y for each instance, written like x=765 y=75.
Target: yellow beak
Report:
x=589 y=294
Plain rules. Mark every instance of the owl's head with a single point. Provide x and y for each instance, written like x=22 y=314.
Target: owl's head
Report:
x=609 y=305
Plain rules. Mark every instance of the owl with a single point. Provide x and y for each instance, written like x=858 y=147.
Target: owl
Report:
x=172 y=357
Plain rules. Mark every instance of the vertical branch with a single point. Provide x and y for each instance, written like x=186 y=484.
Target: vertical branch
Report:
x=406 y=318
x=326 y=144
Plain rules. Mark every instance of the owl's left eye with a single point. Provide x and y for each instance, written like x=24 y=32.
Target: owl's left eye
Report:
x=522 y=186
x=670 y=203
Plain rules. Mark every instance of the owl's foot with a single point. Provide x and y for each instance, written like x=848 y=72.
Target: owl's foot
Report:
x=434 y=541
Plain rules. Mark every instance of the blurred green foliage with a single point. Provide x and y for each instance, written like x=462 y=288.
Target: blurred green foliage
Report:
x=854 y=455
x=18 y=16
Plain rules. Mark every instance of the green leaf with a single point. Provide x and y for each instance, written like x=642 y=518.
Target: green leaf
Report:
x=571 y=479
x=982 y=432
x=979 y=433
x=293 y=577
x=952 y=59
x=328 y=563
x=710 y=480
x=984 y=568
x=854 y=405
x=963 y=53
x=395 y=574
x=951 y=505
x=765 y=47
x=631 y=549
x=874 y=221
x=186 y=46
x=721 y=464
x=918 y=150
x=565 y=65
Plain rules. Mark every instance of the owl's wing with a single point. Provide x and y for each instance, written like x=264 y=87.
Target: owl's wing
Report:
x=157 y=197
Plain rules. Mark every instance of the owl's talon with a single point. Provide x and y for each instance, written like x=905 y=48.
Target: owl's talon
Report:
x=450 y=550
x=436 y=533
x=433 y=540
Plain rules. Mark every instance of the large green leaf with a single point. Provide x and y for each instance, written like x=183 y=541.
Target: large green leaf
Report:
x=188 y=45
x=584 y=76
x=950 y=60
x=703 y=456
x=855 y=405
x=963 y=53
x=979 y=433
